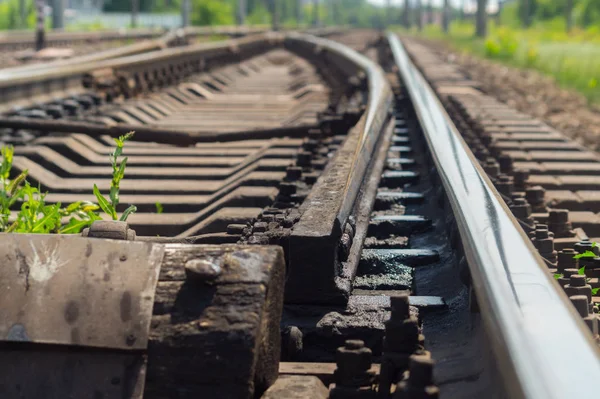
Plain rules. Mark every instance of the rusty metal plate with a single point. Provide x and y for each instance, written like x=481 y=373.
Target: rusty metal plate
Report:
x=77 y=291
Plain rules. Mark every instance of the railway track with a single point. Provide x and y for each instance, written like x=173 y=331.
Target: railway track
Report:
x=322 y=231
x=17 y=48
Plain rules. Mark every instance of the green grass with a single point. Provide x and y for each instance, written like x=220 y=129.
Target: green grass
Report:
x=37 y=216
x=572 y=59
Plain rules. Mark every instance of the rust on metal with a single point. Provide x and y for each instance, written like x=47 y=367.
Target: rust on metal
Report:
x=68 y=290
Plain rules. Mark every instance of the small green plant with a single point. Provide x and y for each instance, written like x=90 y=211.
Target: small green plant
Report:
x=36 y=216
x=159 y=208
x=118 y=172
x=558 y=275
x=581 y=270
x=586 y=254
x=10 y=190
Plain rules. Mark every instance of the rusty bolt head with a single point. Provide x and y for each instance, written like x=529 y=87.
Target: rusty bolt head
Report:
x=566 y=260
x=506 y=163
x=521 y=176
x=535 y=194
x=558 y=216
x=353 y=358
x=304 y=159
x=203 y=269
x=577 y=280
x=421 y=371
x=287 y=188
x=293 y=173
x=354 y=344
x=541 y=234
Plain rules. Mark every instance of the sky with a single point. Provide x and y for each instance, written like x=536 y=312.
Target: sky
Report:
x=470 y=4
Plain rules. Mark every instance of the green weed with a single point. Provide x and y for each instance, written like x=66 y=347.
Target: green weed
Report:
x=36 y=216
x=159 y=208
x=110 y=208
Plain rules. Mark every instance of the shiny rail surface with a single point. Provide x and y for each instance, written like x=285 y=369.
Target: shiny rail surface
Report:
x=545 y=350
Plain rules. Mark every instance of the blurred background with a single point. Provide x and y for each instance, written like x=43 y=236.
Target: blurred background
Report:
x=560 y=38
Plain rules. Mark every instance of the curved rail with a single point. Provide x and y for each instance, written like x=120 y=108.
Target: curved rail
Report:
x=334 y=196
x=544 y=350
x=377 y=111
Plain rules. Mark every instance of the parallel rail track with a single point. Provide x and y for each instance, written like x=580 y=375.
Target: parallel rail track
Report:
x=316 y=196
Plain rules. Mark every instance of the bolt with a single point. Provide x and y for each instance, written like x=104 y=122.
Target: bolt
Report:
x=203 y=269
x=521 y=179
x=536 y=197
x=491 y=167
x=310 y=145
x=506 y=163
x=504 y=184
x=521 y=209
x=304 y=159
x=558 y=222
x=585 y=245
x=578 y=286
x=419 y=383
x=293 y=173
x=566 y=260
x=353 y=362
x=421 y=371
x=287 y=188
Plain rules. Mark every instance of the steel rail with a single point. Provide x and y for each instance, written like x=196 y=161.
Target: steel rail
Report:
x=145 y=46
x=377 y=111
x=166 y=40
x=543 y=348
x=318 y=273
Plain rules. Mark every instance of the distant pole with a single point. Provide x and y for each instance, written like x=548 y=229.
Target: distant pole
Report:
x=481 y=18
x=299 y=12
x=22 y=14
x=275 y=15
x=406 y=14
x=462 y=10
x=526 y=16
x=58 y=14
x=446 y=16
x=335 y=12
x=135 y=7
x=241 y=12
x=388 y=12
x=429 y=12
x=316 y=21
x=499 y=13
x=419 y=16
x=40 y=34
x=569 y=11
